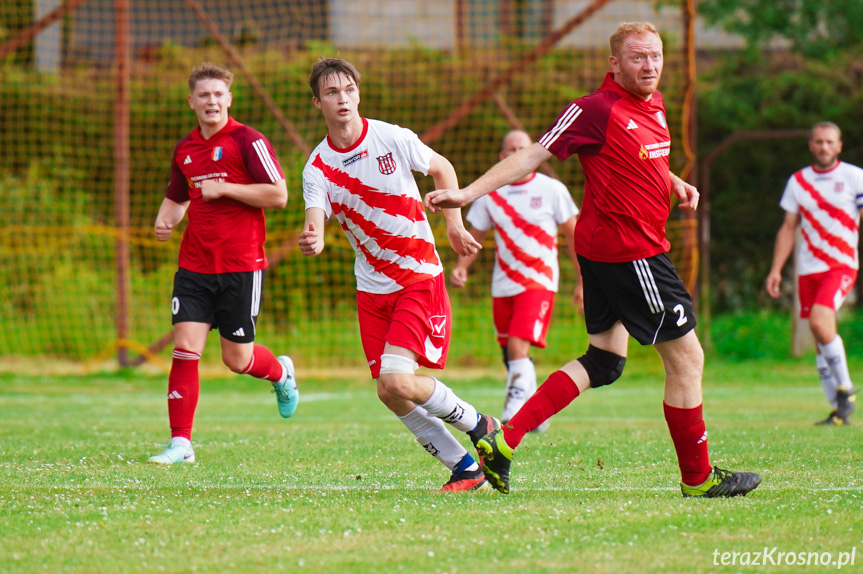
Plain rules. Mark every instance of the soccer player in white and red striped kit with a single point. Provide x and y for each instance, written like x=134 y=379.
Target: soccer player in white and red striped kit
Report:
x=223 y=175
x=621 y=137
x=825 y=200
x=525 y=216
x=361 y=174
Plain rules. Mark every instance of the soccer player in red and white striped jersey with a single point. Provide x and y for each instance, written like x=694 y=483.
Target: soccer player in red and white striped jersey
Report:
x=525 y=216
x=223 y=175
x=622 y=141
x=825 y=201
x=362 y=174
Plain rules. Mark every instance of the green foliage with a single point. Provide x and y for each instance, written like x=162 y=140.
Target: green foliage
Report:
x=813 y=27
x=779 y=93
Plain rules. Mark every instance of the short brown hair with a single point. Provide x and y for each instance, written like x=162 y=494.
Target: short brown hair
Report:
x=627 y=28
x=210 y=71
x=326 y=67
x=825 y=125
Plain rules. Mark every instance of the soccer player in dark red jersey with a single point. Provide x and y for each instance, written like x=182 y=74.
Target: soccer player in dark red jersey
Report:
x=223 y=174
x=631 y=287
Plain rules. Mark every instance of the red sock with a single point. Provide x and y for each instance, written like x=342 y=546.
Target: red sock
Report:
x=689 y=435
x=184 y=386
x=264 y=365
x=552 y=397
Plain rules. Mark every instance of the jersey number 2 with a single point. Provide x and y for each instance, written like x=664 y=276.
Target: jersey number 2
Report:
x=681 y=315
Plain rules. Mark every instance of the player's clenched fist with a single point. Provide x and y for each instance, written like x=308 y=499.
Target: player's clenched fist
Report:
x=311 y=242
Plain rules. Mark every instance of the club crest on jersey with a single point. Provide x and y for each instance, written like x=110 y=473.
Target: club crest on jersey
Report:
x=217 y=153
x=661 y=117
x=536 y=202
x=839 y=186
x=387 y=164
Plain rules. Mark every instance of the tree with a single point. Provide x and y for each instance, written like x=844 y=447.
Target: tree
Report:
x=814 y=28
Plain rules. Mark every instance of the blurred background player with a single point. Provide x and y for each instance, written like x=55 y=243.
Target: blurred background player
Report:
x=362 y=173
x=630 y=285
x=224 y=174
x=825 y=201
x=525 y=216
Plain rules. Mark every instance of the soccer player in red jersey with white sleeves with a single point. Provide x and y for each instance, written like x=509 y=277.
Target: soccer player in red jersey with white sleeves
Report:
x=525 y=216
x=631 y=287
x=223 y=174
x=361 y=173
x=825 y=201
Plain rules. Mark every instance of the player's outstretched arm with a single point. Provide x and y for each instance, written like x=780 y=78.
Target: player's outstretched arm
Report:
x=687 y=193
x=311 y=240
x=263 y=195
x=170 y=215
x=444 y=175
x=511 y=169
x=781 y=251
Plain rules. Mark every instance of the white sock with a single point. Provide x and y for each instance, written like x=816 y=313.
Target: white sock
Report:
x=444 y=404
x=520 y=386
x=828 y=383
x=433 y=436
x=181 y=441
x=834 y=353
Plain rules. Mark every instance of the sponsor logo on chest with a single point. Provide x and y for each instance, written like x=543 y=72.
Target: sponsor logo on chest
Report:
x=355 y=158
x=654 y=150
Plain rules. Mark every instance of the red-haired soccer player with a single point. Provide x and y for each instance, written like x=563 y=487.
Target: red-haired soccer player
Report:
x=362 y=173
x=630 y=285
x=223 y=174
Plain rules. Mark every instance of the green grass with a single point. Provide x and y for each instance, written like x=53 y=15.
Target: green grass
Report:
x=342 y=487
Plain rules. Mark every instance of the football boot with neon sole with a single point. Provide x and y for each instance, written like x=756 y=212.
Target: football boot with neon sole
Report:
x=723 y=484
x=496 y=459
x=465 y=481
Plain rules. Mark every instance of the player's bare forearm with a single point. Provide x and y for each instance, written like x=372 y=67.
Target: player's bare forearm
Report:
x=262 y=195
x=502 y=173
x=781 y=252
x=311 y=240
x=170 y=215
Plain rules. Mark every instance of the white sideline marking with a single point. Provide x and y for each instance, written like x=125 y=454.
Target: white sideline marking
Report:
x=358 y=487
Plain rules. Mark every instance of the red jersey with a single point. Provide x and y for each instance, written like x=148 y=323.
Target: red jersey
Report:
x=223 y=235
x=623 y=145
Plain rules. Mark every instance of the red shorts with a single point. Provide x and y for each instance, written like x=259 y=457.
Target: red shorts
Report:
x=526 y=316
x=417 y=317
x=828 y=288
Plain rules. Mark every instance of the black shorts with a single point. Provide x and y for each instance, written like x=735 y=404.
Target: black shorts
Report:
x=229 y=301
x=646 y=295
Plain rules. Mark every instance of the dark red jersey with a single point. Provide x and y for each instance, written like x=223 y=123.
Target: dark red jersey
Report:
x=623 y=145
x=223 y=235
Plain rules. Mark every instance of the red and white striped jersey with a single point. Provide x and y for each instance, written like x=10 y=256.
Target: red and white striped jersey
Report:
x=372 y=192
x=525 y=218
x=829 y=205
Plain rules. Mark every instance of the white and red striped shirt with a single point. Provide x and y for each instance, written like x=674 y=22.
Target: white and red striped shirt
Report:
x=525 y=218
x=371 y=190
x=829 y=205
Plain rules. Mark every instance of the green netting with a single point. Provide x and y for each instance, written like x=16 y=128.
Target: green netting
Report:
x=61 y=287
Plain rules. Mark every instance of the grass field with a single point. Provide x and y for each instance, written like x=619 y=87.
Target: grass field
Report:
x=342 y=487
